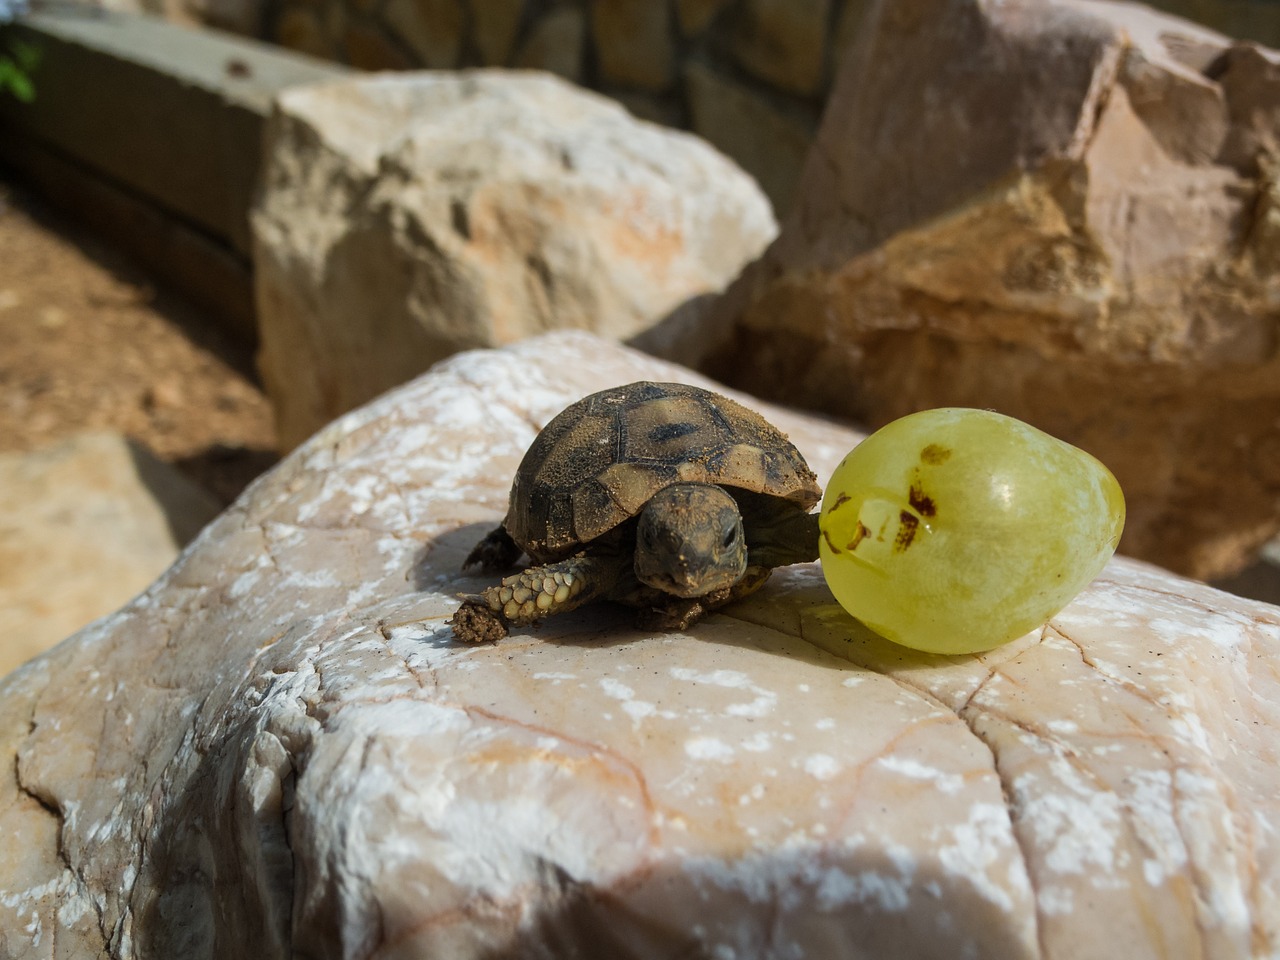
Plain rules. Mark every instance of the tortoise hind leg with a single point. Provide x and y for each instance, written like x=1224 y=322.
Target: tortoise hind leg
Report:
x=535 y=593
x=497 y=551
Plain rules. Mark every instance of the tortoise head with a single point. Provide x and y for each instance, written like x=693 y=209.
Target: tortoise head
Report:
x=690 y=540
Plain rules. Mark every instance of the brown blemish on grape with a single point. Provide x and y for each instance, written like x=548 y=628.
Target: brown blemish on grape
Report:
x=908 y=522
x=920 y=502
x=841 y=500
x=826 y=535
x=935 y=454
x=859 y=532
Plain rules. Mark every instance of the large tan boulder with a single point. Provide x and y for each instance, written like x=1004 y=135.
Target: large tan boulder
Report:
x=279 y=749
x=85 y=525
x=1066 y=211
x=405 y=217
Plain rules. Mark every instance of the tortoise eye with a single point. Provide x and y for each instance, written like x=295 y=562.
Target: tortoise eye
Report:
x=730 y=535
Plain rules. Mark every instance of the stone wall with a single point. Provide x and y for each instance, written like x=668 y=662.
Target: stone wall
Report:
x=750 y=76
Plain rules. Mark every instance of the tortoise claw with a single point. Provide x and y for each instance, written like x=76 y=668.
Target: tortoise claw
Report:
x=476 y=623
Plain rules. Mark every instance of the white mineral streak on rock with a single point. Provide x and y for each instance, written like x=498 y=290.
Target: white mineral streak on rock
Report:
x=636 y=709
x=708 y=748
x=759 y=706
x=908 y=767
x=281 y=744
x=821 y=766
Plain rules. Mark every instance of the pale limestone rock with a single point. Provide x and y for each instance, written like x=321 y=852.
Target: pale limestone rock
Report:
x=406 y=217
x=556 y=43
x=279 y=751
x=633 y=43
x=85 y=525
x=1063 y=210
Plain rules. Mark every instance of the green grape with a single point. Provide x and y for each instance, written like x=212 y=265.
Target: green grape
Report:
x=954 y=530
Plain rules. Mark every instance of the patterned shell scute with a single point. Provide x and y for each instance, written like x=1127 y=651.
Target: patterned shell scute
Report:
x=598 y=462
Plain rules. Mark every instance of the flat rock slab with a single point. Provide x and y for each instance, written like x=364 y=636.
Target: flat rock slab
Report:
x=85 y=525
x=280 y=750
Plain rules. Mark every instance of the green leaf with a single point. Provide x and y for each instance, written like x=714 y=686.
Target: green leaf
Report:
x=16 y=67
x=22 y=88
x=26 y=55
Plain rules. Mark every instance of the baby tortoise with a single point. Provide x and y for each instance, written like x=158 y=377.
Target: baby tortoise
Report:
x=661 y=496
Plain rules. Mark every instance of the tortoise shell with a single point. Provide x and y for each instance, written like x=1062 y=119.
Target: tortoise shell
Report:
x=601 y=459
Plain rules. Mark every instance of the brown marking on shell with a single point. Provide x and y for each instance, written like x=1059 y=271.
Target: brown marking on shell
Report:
x=581 y=450
x=601 y=459
x=590 y=501
x=690 y=472
x=561 y=511
x=631 y=484
x=748 y=465
x=666 y=429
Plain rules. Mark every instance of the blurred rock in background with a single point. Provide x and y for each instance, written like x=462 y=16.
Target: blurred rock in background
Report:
x=85 y=525
x=1065 y=211
x=404 y=218
x=751 y=76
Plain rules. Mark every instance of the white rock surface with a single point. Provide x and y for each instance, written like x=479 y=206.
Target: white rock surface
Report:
x=85 y=525
x=407 y=216
x=279 y=751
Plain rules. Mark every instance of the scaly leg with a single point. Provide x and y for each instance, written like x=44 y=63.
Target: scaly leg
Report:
x=535 y=593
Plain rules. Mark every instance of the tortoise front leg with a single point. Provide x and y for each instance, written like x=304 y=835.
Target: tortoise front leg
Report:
x=535 y=593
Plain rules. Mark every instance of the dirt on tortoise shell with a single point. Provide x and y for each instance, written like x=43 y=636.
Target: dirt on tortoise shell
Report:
x=87 y=342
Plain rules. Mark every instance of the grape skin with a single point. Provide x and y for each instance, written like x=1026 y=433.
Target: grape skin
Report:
x=956 y=530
